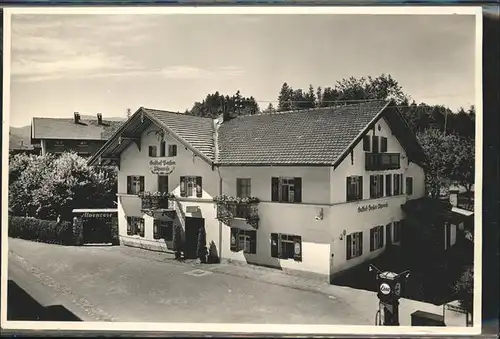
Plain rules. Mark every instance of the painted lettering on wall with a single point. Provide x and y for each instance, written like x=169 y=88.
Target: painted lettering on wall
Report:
x=162 y=166
x=372 y=207
x=98 y=215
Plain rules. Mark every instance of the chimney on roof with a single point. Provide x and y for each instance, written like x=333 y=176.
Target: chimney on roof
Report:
x=99 y=118
x=77 y=117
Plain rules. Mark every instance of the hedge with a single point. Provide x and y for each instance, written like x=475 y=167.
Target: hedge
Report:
x=46 y=231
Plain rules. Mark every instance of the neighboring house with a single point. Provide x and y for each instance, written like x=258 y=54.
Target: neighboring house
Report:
x=330 y=183
x=22 y=148
x=81 y=134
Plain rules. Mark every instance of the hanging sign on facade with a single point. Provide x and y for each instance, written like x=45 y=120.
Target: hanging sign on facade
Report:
x=162 y=166
x=372 y=207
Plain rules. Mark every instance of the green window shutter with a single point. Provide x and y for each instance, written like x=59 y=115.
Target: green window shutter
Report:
x=347 y=187
x=360 y=181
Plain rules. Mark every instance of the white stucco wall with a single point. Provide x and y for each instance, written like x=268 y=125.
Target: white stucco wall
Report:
x=135 y=162
x=285 y=218
x=323 y=252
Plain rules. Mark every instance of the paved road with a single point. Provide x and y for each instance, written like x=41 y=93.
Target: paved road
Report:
x=101 y=283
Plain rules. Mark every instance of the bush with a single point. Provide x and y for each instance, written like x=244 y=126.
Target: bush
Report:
x=45 y=231
x=201 y=249
x=177 y=243
x=464 y=289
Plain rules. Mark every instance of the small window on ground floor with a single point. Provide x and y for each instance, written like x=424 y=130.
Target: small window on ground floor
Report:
x=286 y=246
x=163 y=229
x=135 y=226
x=354 y=245
x=376 y=238
x=243 y=240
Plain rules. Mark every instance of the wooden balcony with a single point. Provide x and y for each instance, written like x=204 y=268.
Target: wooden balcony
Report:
x=382 y=161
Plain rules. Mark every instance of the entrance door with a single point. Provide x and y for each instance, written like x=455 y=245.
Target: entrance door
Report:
x=163 y=183
x=97 y=230
x=193 y=226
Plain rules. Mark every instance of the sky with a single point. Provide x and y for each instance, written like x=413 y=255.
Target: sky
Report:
x=62 y=64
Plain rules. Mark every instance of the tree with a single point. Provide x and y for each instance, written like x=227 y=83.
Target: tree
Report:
x=201 y=248
x=215 y=104
x=464 y=166
x=464 y=289
x=440 y=158
x=270 y=109
x=285 y=97
x=177 y=241
x=129 y=113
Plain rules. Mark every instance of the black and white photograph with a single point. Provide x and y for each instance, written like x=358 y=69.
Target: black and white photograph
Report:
x=241 y=170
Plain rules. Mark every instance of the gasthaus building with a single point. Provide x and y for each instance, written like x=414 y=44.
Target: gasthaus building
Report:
x=310 y=192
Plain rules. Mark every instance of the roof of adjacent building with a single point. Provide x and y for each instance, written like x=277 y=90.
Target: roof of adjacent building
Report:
x=314 y=137
x=66 y=128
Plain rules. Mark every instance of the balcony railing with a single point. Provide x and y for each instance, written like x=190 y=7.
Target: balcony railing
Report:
x=382 y=161
x=152 y=201
x=229 y=208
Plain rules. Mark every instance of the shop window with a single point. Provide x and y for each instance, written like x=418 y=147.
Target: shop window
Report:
x=243 y=240
x=191 y=186
x=135 y=184
x=376 y=186
x=286 y=189
x=286 y=246
x=376 y=238
x=135 y=226
x=354 y=188
x=354 y=246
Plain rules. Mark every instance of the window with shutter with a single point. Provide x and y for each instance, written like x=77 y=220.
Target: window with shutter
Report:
x=274 y=245
x=135 y=184
x=234 y=239
x=366 y=143
x=172 y=150
x=152 y=151
x=298 y=189
x=349 y=247
x=375 y=148
x=274 y=189
x=199 y=187
x=141 y=184
x=183 y=186
x=388 y=185
x=163 y=146
x=383 y=144
x=297 y=247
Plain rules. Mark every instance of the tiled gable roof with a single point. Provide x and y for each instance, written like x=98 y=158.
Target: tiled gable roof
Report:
x=65 y=128
x=196 y=131
x=310 y=137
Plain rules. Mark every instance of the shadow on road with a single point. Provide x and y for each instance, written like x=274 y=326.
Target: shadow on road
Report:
x=21 y=306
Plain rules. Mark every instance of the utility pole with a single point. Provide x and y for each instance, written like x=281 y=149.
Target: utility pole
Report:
x=389 y=293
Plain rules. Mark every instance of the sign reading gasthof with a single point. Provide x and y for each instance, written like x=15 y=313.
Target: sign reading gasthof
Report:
x=162 y=166
x=372 y=207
